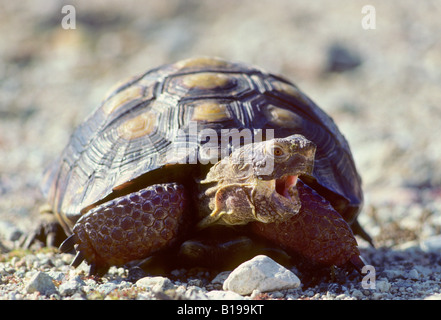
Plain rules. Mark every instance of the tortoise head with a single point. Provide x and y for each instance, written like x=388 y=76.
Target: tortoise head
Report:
x=257 y=182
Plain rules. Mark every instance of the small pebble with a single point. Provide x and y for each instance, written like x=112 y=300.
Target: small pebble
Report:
x=155 y=283
x=72 y=286
x=382 y=285
x=358 y=294
x=221 y=277
x=413 y=275
x=107 y=287
x=223 y=295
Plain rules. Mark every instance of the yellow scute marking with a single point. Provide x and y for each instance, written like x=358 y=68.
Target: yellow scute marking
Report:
x=118 y=100
x=282 y=117
x=206 y=80
x=287 y=89
x=139 y=126
x=201 y=62
x=210 y=111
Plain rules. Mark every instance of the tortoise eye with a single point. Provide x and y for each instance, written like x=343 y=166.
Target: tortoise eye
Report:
x=278 y=152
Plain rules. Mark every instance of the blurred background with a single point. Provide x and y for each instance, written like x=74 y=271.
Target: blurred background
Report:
x=381 y=85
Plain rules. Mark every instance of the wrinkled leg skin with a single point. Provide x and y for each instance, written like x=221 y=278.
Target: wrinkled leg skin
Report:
x=128 y=228
x=317 y=233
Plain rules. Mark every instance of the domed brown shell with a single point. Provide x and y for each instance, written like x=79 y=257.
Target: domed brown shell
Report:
x=142 y=121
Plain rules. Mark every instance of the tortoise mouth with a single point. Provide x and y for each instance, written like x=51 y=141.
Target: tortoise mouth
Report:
x=286 y=185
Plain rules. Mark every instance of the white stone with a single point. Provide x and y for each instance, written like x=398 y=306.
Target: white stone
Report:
x=260 y=273
x=392 y=274
x=155 y=283
x=223 y=295
x=436 y=296
x=107 y=287
x=195 y=293
x=71 y=287
x=431 y=244
x=42 y=283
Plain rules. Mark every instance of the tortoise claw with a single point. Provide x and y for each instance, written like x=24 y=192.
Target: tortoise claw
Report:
x=357 y=262
x=78 y=259
x=68 y=245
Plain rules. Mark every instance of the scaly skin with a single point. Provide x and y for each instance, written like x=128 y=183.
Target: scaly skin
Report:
x=129 y=228
x=317 y=232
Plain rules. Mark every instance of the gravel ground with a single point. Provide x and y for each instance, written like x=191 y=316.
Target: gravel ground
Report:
x=386 y=102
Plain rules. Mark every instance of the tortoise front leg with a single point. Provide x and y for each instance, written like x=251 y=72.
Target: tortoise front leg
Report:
x=128 y=228
x=317 y=232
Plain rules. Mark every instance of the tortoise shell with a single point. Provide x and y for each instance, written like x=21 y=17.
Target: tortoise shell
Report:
x=144 y=120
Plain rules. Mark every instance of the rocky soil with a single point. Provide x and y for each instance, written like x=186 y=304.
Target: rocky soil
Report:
x=380 y=85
